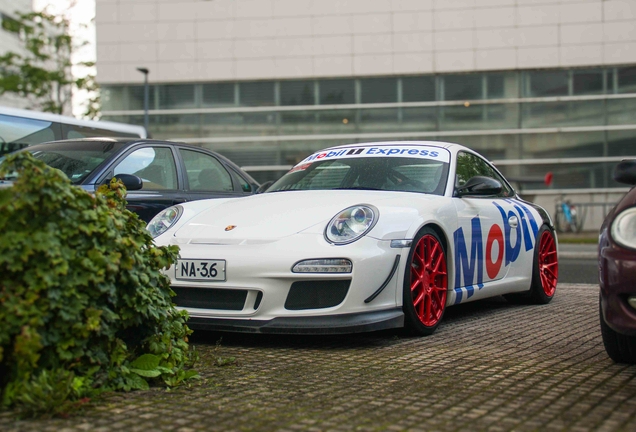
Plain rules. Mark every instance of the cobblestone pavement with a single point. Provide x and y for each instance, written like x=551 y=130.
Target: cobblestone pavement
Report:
x=490 y=366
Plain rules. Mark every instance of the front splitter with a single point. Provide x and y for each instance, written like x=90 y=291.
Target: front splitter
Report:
x=329 y=324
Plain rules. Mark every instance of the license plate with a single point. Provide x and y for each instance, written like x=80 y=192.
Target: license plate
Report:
x=202 y=270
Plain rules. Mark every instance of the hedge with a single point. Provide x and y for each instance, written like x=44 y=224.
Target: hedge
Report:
x=84 y=307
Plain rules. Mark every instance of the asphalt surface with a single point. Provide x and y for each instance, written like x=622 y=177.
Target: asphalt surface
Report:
x=490 y=366
x=578 y=271
x=578 y=263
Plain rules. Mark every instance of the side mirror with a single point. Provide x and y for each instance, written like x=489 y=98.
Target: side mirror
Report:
x=480 y=186
x=132 y=182
x=262 y=188
x=625 y=172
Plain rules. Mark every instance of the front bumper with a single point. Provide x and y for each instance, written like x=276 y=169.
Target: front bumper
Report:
x=318 y=325
x=617 y=273
x=265 y=296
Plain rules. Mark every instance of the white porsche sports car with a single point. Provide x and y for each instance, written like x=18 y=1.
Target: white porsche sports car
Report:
x=358 y=238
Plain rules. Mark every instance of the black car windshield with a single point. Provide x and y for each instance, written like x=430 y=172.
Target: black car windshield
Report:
x=75 y=159
x=389 y=174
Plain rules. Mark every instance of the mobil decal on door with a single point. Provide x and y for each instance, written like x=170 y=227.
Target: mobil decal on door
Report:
x=494 y=240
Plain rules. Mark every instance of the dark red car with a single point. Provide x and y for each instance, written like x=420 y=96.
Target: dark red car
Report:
x=617 y=271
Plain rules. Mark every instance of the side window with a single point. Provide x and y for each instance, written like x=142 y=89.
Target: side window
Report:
x=205 y=173
x=506 y=190
x=469 y=165
x=245 y=186
x=155 y=166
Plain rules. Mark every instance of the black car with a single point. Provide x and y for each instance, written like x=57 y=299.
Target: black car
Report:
x=157 y=174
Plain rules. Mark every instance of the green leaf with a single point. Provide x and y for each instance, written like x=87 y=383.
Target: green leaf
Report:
x=146 y=362
x=146 y=373
x=138 y=383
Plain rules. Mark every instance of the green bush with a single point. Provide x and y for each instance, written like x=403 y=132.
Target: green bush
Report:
x=83 y=305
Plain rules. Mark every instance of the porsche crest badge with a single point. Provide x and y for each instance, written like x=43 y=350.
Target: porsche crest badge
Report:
x=230 y=227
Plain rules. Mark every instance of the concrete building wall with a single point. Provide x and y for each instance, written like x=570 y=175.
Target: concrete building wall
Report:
x=205 y=40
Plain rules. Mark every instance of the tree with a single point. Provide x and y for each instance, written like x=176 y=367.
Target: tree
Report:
x=43 y=74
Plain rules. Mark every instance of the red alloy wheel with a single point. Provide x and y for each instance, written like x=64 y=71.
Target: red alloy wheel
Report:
x=429 y=280
x=548 y=264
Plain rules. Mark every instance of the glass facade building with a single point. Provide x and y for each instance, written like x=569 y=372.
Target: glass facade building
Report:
x=573 y=122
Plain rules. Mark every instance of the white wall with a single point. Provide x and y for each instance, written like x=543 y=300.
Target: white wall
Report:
x=205 y=40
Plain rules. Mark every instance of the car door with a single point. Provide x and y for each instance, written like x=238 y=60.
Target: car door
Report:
x=156 y=166
x=206 y=177
x=487 y=239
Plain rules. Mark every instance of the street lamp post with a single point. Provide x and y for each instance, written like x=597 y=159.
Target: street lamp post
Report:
x=146 y=96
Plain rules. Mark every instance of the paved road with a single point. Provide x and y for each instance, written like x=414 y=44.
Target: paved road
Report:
x=578 y=263
x=578 y=271
x=490 y=366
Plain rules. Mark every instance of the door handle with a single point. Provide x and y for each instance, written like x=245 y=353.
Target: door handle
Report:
x=178 y=201
x=513 y=221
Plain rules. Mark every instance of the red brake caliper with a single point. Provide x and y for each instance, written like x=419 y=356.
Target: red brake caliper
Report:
x=429 y=280
x=548 y=264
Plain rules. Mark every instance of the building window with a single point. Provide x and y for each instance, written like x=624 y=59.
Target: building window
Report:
x=495 y=86
x=259 y=93
x=297 y=93
x=626 y=78
x=463 y=87
x=546 y=83
x=113 y=98
x=587 y=82
x=217 y=94
x=378 y=90
x=136 y=97
x=418 y=88
x=337 y=91
x=175 y=96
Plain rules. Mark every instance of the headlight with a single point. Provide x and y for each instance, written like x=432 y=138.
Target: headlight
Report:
x=351 y=224
x=164 y=220
x=623 y=228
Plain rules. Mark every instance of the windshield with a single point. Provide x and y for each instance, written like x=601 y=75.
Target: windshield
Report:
x=19 y=132
x=75 y=159
x=405 y=174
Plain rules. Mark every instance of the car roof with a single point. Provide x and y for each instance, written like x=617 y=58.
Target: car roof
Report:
x=124 y=143
x=121 y=140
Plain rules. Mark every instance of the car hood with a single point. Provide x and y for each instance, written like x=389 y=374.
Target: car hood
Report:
x=270 y=216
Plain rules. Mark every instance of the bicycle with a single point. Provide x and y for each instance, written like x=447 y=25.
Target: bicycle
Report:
x=567 y=216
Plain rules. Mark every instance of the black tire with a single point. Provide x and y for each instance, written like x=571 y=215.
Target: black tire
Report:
x=428 y=258
x=542 y=287
x=619 y=347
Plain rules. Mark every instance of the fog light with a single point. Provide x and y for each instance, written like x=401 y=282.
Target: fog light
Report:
x=326 y=265
x=632 y=301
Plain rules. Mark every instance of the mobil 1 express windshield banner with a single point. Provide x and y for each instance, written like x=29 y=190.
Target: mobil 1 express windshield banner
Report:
x=422 y=152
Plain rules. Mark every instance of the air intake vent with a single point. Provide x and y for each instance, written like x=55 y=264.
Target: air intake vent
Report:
x=210 y=298
x=316 y=294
